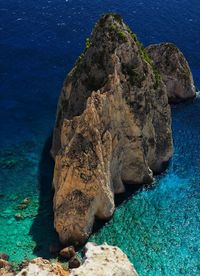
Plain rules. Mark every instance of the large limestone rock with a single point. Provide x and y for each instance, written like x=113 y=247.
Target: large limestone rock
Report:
x=42 y=267
x=113 y=125
x=104 y=260
x=175 y=71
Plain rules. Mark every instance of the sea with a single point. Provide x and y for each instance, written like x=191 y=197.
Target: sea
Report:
x=158 y=227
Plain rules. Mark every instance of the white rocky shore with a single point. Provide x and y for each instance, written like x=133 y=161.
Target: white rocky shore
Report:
x=104 y=260
x=100 y=260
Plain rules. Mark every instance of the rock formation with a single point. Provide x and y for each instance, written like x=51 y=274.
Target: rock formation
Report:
x=174 y=70
x=113 y=125
x=5 y=268
x=104 y=260
x=101 y=260
x=42 y=267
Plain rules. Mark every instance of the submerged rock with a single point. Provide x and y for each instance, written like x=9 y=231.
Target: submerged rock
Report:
x=100 y=260
x=175 y=71
x=103 y=260
x=113 y=125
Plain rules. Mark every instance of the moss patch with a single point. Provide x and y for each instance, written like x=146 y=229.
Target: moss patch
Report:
x=144 y=55
x=87 y=43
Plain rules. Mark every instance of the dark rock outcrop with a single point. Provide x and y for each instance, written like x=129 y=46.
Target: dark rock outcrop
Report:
x=5 y=268
x=174 y=70
x=4 y=256
x=67 y=252
x=113 y=125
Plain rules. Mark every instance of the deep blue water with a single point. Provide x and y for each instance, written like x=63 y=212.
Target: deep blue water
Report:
x=39 y=42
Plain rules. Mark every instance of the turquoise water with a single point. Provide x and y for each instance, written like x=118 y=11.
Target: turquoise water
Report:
x=158 y=228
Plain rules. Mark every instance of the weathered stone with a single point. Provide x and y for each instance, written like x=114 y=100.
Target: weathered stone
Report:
x=19 y=216
x=5 y=268
x=4 y=256
x=42 y=267
x=113 y=125
x=67 y=252
x=74 y=262
x=175 y=71
x=104 y=260
x=3 y=263
x=99 y=260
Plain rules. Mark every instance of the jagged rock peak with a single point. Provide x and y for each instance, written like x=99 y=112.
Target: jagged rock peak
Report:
x=107 y=46
x=113 y=125
x=174 y=70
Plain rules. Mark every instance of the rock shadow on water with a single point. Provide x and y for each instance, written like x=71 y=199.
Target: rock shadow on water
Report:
x=42 y=230
x=132 y=189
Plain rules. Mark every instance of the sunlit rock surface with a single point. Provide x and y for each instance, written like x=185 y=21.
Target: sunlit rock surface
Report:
x=100 y=260
x=113 y=125
x=103 y=260
x=175 y=71
x=42 y=267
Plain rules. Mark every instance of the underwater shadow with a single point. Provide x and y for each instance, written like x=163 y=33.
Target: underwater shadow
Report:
x=42 y=229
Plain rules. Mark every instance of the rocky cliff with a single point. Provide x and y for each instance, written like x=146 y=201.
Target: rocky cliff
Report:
x=113 y=126
x=174 y=70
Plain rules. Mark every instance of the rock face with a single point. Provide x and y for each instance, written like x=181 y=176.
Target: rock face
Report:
x=113 y=125
x=42 y=267
x=174 y=70
x=104 y=260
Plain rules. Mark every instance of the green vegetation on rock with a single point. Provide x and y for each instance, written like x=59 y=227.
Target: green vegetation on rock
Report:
x=87 y=43
x=144 y=55
x=122 y=35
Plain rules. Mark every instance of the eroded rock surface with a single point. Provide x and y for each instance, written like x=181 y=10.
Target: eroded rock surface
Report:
x=104 y=260
x=175 y=71
x=5 y=267
x=113 y=125
x=100 y=260
x=42 y=267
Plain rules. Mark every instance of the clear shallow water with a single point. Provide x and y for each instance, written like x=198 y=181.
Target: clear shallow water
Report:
x=39 y=43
